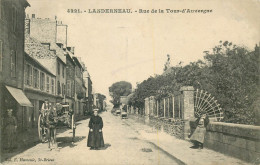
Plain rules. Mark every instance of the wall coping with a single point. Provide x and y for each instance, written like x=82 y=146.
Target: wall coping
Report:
x=187 y=88
x=242 y=130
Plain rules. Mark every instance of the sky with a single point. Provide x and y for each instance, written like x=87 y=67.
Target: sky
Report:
x=133 y=47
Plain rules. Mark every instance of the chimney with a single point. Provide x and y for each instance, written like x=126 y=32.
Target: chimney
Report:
x=33 y=15
x=27 y=26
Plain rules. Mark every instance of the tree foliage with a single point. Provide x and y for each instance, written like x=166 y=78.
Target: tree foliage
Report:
x=121 y=88
x=229 y=72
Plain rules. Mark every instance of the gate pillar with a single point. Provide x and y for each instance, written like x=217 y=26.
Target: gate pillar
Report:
x=188 y=108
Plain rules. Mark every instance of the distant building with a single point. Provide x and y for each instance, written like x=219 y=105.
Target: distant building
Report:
x=80 y=88
x=89 y=96
x=70 y=79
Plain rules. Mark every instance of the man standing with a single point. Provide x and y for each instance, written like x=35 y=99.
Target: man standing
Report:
x=10 y=125
x=95 y=136
x=45 y=107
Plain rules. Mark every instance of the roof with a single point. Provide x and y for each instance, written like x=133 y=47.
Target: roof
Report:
x=59 y=52
x=69 y=55
x=36 y=62
x=77 y=61
x=85 y=74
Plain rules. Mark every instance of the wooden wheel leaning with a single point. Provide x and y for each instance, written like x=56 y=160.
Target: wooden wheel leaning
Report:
x=40 y=128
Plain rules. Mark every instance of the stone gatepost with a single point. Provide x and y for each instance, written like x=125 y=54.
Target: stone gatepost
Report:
x=147 y=110
x=173 y=115
x=164 y=108
x=188 y=108
x=157 y=108
x=152 y=105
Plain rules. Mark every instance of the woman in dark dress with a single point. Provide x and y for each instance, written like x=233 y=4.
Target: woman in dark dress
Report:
x=95 y=136
x=199 y=134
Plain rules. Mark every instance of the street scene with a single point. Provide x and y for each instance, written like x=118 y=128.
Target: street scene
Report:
x=145 y=146
x=120 y=83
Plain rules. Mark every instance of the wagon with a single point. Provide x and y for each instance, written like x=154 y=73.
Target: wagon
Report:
x=63 y=118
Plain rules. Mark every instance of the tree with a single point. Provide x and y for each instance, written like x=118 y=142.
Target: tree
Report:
x=230 y=73
x=121 y=88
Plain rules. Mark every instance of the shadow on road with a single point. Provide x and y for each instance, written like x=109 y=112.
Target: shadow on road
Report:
x=68 y=141
x=106 y=146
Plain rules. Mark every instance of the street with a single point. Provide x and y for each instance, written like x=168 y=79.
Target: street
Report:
x=123 y=145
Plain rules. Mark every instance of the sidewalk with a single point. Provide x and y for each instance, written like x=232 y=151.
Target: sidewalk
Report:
x=180 y=149
x=24 y=141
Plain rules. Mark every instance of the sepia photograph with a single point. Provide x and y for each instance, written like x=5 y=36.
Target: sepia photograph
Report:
x=119 y=82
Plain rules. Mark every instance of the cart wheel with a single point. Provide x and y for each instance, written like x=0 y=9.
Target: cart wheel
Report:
x=73 y=127
x=40 y=128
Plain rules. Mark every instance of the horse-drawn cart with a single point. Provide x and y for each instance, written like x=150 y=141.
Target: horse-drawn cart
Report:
x=59 y=116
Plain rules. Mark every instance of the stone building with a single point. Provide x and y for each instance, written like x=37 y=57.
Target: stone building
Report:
x=51 y=61
x=80 y=88
x=46 y=32
x=89 y=97
x=12 y=16
x=53 y=35
x=70 y=79
x=39 y=84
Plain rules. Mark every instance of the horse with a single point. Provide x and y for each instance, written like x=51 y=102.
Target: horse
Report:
x=51 y=123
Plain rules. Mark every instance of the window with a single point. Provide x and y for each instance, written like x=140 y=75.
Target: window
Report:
x=72 y=89
x=1 y=54
x=13 y=63
x=42 y=81
x=36 y=78
x=68 y=88
x=1 y=9
x=59 y=90
x=63 y=89
x=14 y=19
x=52 y=86
x=28 y=75
x=48 y=84
x=63 y=70
x=58 y=68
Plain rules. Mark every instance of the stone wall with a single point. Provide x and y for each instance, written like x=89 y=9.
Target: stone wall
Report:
x=237 y=140
x=174 y=127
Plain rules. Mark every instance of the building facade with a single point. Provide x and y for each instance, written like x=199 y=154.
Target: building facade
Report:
x=39 y=84
x=80 y=89
x=70 y=80
x=89 y=97
x=12 y=16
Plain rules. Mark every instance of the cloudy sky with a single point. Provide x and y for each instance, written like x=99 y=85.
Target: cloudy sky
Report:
x=134 y=46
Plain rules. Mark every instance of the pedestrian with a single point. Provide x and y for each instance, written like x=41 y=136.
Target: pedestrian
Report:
x=10 y=126
x=44 y=110
x=45 y=107
x=199 y=134
x=95 y=136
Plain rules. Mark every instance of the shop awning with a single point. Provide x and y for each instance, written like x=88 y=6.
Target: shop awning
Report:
x=19 y=96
